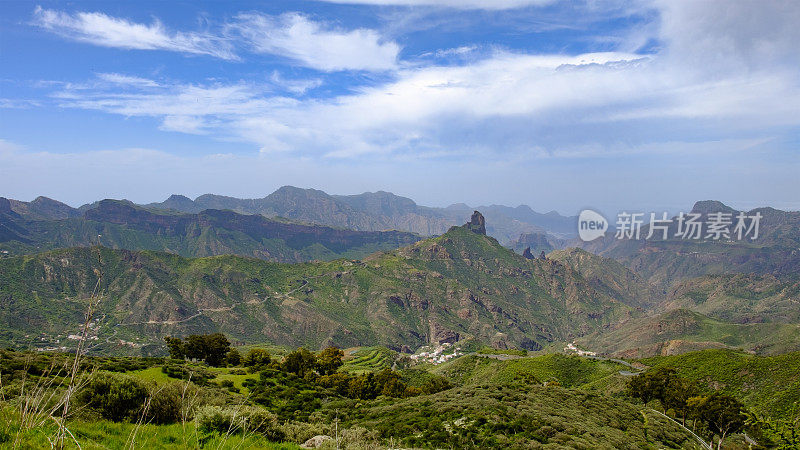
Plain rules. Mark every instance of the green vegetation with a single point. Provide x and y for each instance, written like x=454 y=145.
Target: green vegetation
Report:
x=682 y=331
x=770 y=385
x=390 y=299
x=370 y=359
x=120 y=224
x=567 y=371
x=521 y=416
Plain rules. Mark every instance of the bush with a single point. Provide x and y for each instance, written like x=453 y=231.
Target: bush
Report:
x=211 y=419
x=170 y=402
x=116 y=397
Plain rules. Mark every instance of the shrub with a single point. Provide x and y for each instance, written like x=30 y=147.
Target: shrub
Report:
x=116 y=397
x=210 y=419
x=170 y=402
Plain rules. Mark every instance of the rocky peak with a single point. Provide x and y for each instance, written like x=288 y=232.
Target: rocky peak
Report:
x=527 y=253
x=477 y=224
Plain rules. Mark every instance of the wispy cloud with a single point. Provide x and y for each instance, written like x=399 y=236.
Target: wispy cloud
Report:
x=315 y=45
x=106 y=31
x=458 y=4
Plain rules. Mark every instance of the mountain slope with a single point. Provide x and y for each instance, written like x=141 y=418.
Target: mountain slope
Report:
x=459 y=285
x=682 y=331
x=739 y=298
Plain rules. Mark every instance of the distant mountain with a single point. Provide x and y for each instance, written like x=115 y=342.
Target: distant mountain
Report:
x=43 y=208
x=376 y=211
x=739 y=298
x=665 y=262
x=680 y=331
x=121 y=224
x=536 y=243
x=462 y=284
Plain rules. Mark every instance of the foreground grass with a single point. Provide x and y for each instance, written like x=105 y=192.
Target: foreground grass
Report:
x=103 y=434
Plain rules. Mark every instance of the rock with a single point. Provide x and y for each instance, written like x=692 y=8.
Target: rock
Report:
x=405 y=349
x=542 y=255
x=477 y=224
x=527 y=253
x=316 y=441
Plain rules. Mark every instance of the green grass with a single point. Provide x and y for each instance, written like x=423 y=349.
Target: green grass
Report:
x=152 y=374
x=238 y=380
x=103 y=434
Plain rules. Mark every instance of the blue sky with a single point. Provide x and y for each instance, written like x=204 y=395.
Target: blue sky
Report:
x=559 y=105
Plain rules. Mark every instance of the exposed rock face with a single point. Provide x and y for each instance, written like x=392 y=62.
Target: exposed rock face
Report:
x=477 y=224
x=527 y=253
x=542 y=255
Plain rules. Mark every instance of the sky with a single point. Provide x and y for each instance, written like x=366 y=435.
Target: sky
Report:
x=637 y=105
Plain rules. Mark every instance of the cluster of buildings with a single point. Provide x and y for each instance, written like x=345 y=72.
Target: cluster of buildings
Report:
x=436 y=355
x=571 y=348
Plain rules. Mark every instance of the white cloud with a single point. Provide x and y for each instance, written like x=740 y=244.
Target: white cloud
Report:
x=458 y=4
x=505 y=103
x=126 y=80
x=103 y=30
x=314 y=45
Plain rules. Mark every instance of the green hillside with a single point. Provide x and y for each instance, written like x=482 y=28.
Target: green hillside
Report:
x=769 y=384
x=681 y=331
x=459 y=285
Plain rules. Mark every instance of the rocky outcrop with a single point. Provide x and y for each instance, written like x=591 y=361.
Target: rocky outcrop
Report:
x=477 y=224
x=527 y=253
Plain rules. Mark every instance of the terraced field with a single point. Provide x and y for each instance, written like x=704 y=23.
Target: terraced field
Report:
x=368 y=359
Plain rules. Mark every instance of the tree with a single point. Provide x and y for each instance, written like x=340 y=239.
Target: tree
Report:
x=211 y=348
x=677 y=392
x=233 y=358
x=723 y=414
x=654 y=385
x=257 y=359
x=299 y=362
x=175 y=347
x=216 y=349
x=329 y=361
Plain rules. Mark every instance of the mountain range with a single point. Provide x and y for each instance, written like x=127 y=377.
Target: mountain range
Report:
x=176 y=268
x=370 y=211
x=460 y=285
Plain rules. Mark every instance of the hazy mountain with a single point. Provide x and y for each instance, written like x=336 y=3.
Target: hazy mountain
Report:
x=43 y=208
x=665 y=262
x=375 y=211
x=210 y=232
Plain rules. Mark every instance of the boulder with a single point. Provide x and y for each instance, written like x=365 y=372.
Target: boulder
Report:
x=316 y=441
